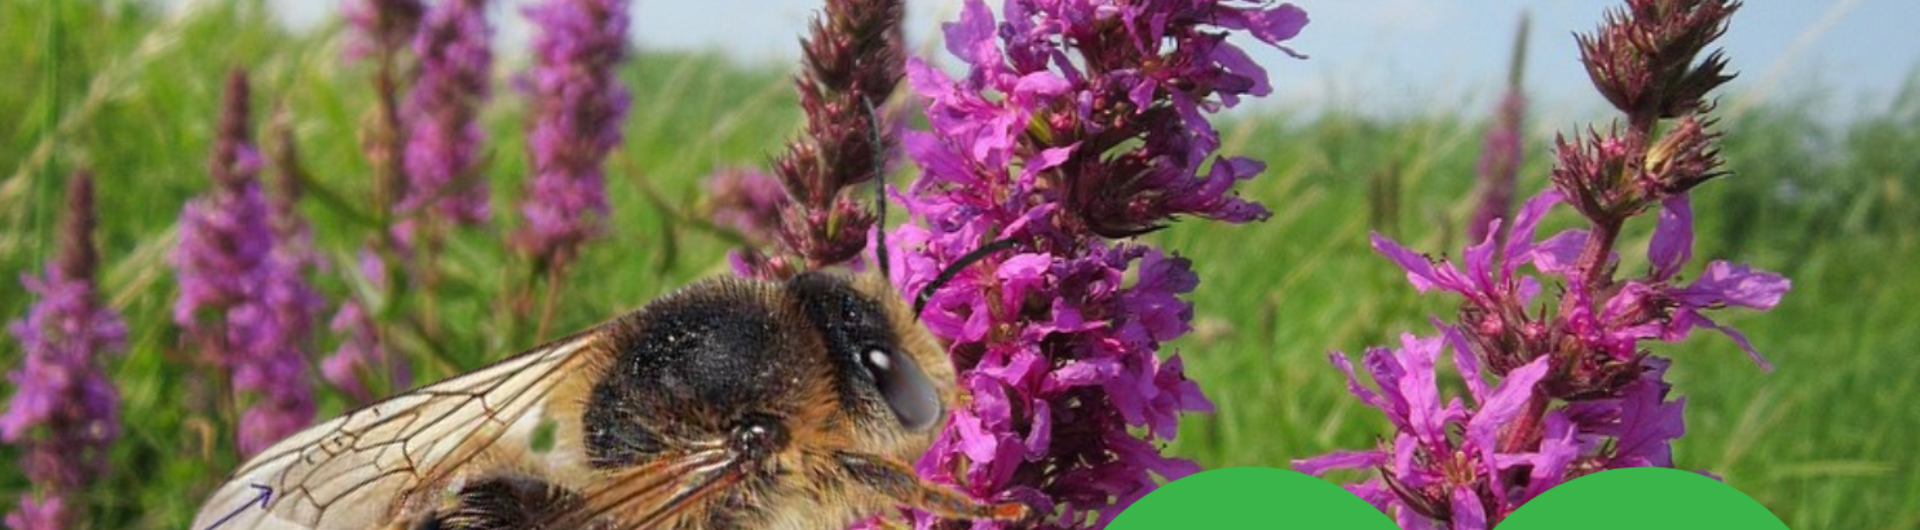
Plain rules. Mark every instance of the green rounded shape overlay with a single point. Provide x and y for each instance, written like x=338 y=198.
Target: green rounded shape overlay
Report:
x=1651 y=498
x=1260 y=497
x=1250 y=497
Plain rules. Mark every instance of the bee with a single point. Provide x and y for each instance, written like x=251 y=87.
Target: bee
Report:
x=731 y=403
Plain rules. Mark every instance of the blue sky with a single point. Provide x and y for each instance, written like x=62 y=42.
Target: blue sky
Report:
x=1400 y=56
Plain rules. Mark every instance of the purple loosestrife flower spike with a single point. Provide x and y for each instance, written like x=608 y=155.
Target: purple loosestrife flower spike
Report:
x=853 y=60
x=443 y=146
x=1074 y=122
x=1501 y=156
x=1499 y=167
x=244 y=300
x=381 y=30
x=578 y=108
x=1576 y=388
x=63 y=413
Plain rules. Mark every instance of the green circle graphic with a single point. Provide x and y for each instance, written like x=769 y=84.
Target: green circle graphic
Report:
x=1250 y=497
x=1653 y=498
x=1260 y=497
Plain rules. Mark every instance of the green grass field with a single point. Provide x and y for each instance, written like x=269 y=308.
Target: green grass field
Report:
x=1826 y=441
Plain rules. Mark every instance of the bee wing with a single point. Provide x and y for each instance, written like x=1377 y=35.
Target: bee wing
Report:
x=353 y=472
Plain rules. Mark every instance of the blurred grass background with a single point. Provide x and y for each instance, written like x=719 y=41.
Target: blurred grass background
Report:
x=1826 y=441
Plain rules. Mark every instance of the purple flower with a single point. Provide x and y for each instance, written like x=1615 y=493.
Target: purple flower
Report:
x=1499 y=166
x=63 y=412
x=1136 y=79
x=45 y=514
x=244 y=300
x=747 y=201
x=1446 y=450
x=1102 y=109
x=361 y=355
x=578 y=108
x=853 y=60
x=442 y=154
x=1501 y=154
x=1577 y=390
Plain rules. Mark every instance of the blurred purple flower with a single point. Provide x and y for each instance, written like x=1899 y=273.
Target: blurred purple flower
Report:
x=64 y=413
x=1502 y=151
x=442 y=155
x=1057 y=347
x=244 y=299
x=747 y=201
x=1499 y=167
x=579 y=106
x=361 y=355
x=45 y=514
x=380 y=26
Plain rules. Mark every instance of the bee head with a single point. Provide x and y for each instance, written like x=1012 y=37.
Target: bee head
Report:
x=889 y=372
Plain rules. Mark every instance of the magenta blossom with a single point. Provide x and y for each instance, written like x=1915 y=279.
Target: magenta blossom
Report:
x=1075 y=122
x=1577 y=389
x=1446 y=449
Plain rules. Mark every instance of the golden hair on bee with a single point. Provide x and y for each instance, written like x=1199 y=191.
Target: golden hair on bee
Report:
x=730 y=403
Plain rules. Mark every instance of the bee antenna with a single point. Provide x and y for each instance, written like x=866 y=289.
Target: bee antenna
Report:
x=947 y=275
x=879 y=189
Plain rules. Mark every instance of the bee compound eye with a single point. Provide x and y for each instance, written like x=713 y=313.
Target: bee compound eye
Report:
x=905 y=388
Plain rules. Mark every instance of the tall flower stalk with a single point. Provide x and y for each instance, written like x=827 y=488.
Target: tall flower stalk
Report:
x=445 y=188
x=442 y=111
x=1573 y=389
x=579 y=106
x=64 y=412
x=244 y=300
x=1503 y=149
x=853 y=60
x=1077 y=123
x=382 y=30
